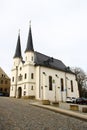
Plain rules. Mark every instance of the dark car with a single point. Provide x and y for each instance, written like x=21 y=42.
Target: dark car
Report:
x=1 y=94
x=81 y=100
x=4 y=94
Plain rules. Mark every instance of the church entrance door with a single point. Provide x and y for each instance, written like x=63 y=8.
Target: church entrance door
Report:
x=19 y=92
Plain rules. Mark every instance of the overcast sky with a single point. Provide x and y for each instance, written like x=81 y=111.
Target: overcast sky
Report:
x=59 y=29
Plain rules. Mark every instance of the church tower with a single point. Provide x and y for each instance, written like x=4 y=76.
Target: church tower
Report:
x=29 y=68
x=29 y=51
x=18 y=56
x=14 y=72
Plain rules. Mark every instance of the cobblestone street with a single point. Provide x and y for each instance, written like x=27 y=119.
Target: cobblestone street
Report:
x=18 y=114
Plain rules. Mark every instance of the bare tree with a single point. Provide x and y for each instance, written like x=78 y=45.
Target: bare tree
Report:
x=81 y=79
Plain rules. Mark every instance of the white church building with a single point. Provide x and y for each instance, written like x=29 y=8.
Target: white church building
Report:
x=40 y=76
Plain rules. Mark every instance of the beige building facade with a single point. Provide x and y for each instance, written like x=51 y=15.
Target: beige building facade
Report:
x=4 y=82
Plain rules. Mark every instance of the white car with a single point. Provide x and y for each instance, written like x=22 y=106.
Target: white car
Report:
x=71 y=100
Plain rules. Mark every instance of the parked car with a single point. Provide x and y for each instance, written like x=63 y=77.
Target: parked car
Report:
x=81 y=100
x=71 y=100
x=1 y=94
x=4 y=94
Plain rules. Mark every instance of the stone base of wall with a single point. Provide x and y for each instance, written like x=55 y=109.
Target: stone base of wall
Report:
x=84 y=109
x=45 y=102
x=12 y=96
x=28 y=97
x=74 y=107
x=55 y=103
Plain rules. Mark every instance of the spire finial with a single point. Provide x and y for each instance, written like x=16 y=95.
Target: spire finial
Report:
x=30 y=23
x=19 y=32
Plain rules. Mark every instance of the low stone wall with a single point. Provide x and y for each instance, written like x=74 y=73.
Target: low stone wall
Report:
x=84 y=109
x=45 y=102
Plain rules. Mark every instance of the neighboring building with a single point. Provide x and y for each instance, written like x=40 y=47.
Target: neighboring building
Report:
x=40 y=76
x=4 y=82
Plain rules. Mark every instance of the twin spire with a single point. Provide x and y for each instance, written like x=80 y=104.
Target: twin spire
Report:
x=29 y=46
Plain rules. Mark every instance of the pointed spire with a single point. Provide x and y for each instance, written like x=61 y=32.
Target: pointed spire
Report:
x=29 y=46
x=18 y=48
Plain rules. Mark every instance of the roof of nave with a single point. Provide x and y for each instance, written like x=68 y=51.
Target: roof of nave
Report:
x=3 y=74
x=44 y=60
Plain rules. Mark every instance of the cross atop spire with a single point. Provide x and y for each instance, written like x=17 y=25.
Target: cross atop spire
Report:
x=18 y=48
x=29 y=46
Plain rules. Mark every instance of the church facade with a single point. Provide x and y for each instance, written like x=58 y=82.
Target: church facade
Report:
x=40 y=76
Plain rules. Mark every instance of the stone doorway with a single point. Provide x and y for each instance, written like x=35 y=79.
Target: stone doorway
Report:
x=19 y=92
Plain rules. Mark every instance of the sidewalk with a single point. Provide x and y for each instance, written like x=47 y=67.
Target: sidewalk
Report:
x=76 y=114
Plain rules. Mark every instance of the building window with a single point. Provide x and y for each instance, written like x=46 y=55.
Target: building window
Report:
x=26 y=58
x=12 y=79
x=50 y=82
x=5 y=89
x=32 y=87
x=20 y=77
x=24 y=93
x=25 y=76
x=32 y=76
x=0 y=89
x=32 y=58
x=6 y=82
x=62 y=85
x=12 y=88
x=1 y=81
x=24 y=86
x=20 y=68
x=71 y=86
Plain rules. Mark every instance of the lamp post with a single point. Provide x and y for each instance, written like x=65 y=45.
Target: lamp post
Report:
x=43 y=87
x=56 y=86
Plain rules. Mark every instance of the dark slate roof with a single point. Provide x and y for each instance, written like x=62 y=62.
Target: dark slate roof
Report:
x=29 y=46
x=43 y=60
x=18 y=49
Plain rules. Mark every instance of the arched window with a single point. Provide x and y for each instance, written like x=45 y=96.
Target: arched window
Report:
x=50 y=82
x=25 y=76
x=71 y=86
x=32 y=75
x=62 y=84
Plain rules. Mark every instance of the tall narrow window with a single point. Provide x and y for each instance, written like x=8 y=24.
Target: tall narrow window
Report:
x=32 y=58
x=25 y=76
x=24 y=93
x=1 y=81
x=32 y=87
x=50 y=82
x=32 y=76
x=6 y=82
x=24 y=86
x=71 y=86
x=12 y=79
x=62 y=85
